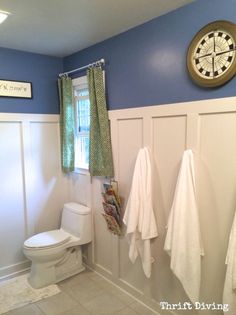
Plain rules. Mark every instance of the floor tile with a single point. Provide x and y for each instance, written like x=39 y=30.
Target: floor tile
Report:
x=141 y=309
x=109 y=287
x=126 y=311
x=84 y=292
x=57 y=304
x=30 y=309
x=77 y=310
x=121 y=295
x=104 y=304
x=94 y=276
x=77 y=279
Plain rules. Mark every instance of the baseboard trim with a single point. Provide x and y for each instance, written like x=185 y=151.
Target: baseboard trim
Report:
x=14 y=270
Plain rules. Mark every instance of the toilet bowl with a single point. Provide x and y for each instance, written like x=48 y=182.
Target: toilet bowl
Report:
x=56 y=255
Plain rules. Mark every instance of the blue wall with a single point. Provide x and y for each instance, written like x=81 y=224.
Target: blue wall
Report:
x=147 y=65
x=144 y=66
x=41 y=70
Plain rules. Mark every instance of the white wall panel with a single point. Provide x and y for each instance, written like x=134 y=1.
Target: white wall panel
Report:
x=33 y=189
x=129 y=141
x=47 y=187
x=102 y=251
x=12 y=206
x=217 y=195
x=169 y=142
x=80 y=188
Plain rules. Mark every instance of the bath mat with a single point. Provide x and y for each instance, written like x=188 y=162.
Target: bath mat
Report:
x=17 y=292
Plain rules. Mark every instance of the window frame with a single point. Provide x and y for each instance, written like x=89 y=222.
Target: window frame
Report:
x=79 y=83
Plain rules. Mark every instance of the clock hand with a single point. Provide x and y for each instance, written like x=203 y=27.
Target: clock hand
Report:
x=213 y=66
x=226 y=51
x=214 y=40
x=216 y=54
x=207 y=55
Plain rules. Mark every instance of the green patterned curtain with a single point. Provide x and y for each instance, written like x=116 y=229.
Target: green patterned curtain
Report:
x=100 y=152
x=66 y=123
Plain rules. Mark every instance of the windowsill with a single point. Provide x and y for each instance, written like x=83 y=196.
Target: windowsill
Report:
x=81 y=171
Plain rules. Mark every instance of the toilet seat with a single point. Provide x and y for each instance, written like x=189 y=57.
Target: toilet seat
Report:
x=47 y=239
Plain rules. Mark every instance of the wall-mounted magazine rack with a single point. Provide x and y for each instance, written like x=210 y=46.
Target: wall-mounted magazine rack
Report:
x=112 y=207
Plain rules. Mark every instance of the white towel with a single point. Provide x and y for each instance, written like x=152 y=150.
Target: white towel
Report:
x=229 y=294
x=139 y=216
x=183 y=240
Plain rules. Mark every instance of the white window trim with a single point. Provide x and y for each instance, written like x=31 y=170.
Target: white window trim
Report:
x=80 y=81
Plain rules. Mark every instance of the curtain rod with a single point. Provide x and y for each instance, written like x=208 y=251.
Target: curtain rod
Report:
x=95 y=63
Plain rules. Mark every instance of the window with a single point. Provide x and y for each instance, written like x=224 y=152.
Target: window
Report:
x=82 y=119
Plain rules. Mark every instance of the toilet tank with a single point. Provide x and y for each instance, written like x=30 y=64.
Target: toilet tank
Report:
x=77 y=220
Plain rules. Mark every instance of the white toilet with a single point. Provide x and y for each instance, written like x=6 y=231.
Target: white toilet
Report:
x=57 y=255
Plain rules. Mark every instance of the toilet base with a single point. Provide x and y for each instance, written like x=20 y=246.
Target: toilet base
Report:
x=44 y=274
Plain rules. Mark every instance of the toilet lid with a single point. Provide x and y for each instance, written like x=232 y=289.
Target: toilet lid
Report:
x=47 y=239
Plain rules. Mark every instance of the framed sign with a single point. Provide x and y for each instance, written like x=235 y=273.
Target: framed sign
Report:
x=20 y=89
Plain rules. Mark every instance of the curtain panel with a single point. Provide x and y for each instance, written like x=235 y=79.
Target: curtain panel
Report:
x=100 y=151
x=67 y=124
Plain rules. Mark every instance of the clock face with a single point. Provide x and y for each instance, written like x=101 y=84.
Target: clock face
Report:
x=211 y=56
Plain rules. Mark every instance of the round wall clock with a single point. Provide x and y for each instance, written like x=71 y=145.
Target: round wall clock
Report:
x=211 y=57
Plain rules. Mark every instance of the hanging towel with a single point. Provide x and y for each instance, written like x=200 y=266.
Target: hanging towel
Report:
x=229 y=294
x=183 y=240
x=139 y=216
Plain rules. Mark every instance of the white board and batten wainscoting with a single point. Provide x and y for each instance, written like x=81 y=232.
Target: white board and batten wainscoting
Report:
x=33 y=189
x=208 y=128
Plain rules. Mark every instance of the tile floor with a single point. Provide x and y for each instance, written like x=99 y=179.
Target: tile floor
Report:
x=85 y=294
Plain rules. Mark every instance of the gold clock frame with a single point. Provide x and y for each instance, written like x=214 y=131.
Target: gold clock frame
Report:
x=223 y=25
